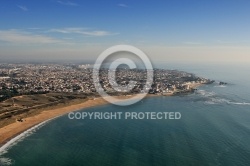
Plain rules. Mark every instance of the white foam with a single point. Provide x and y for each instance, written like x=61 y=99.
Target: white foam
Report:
x=209 y=102
x=212 y=98
x=239 y=103
x=206 y=93
x=220 y=86
x=20 y=137
x=222 y=100
x=5 y=161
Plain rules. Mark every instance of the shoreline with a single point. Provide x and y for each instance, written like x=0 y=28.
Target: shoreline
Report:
x=10 y=131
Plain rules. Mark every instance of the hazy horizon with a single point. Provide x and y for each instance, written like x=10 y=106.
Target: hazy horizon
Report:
x=175 y=31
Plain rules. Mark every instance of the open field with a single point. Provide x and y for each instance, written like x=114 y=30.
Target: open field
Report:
x=20 y=107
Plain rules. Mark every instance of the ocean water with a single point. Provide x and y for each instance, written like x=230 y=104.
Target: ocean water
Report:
x=214 y=130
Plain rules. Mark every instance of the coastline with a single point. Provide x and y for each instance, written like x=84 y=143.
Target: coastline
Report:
x=12 y=130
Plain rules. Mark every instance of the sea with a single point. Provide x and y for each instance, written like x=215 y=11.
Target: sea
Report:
x=214 y=129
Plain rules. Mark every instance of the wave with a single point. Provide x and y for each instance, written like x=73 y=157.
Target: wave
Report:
x=226 y=101
x=4 y=149
x=220 y=86
x=213 y=98
x=239 y=103
x=205 y=93
x=209 y=102
x=5 y=161
x=20 y=137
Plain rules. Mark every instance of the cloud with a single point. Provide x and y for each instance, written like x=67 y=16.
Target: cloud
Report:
x=17 y=36
x=122 y=5
x=83 y=31
x=37 y=36
x=23 y=8
x=67 y=3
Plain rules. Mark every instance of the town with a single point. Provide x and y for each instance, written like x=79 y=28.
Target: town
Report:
x=24 y=79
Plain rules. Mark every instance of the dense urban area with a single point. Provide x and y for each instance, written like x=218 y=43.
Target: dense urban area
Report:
x=20 y=79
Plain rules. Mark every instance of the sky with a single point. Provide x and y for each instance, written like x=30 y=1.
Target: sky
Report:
x=167 y=30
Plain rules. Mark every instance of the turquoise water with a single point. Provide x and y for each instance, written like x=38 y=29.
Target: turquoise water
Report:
x=214 y=130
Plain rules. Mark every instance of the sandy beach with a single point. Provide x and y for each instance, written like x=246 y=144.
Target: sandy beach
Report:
x=13 y=129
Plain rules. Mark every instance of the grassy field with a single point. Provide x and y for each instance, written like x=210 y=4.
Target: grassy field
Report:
x=20 y=107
